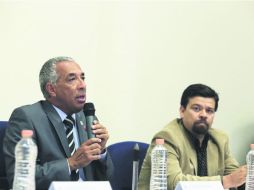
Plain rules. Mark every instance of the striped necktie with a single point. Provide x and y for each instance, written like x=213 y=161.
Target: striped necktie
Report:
x=69 y=123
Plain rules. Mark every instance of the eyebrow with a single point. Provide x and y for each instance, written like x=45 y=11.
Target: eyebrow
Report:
x=202 y=106
x=73 y=74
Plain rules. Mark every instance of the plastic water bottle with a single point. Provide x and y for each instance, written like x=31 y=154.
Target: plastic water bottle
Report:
x=25 y=155
x=158 y=180
x=250 y=169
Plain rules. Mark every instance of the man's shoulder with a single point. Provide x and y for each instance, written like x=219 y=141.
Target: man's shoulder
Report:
x=217 y=132
x=171 y=131
x=30 y=109
x=172 y=126
x=218 y=135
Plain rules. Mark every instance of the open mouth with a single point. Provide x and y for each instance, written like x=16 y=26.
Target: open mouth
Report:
x=81 y=99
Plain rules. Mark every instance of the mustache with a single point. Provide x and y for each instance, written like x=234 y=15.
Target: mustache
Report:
x=201 y=122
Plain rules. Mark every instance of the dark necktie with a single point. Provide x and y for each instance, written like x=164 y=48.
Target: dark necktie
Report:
x=202 y=156
x=69 y=123
x=202 y=162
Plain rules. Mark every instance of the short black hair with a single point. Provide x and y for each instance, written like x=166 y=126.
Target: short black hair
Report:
x=199 y=90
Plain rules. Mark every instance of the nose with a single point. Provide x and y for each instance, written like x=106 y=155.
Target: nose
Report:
x=82 y=84
x=203 y=113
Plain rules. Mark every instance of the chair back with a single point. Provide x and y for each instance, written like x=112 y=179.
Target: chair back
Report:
x=3 y=178
x=122 y=156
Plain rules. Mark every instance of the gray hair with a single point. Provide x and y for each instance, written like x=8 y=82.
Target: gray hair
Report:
x=48 y=73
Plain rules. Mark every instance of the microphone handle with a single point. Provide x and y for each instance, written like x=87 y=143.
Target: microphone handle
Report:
x=89 y=123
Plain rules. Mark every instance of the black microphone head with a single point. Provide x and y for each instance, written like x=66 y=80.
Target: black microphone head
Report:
x=89 y=109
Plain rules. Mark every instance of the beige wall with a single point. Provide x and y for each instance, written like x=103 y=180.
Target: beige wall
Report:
x=138 y=57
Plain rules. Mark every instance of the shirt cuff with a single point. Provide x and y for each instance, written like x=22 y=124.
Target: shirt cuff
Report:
x=68 y=166
x=103 y=155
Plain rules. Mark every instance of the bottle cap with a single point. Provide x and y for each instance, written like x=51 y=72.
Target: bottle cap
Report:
x=26 y=133
x=252 y=146
x=159 y=141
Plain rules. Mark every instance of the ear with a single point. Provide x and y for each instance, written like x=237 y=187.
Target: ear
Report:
x=181 y=111
x=51 y=89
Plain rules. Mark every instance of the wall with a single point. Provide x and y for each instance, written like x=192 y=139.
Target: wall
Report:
x=138 y=57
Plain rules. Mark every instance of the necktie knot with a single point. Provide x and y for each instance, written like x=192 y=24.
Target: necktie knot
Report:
x=69 y=121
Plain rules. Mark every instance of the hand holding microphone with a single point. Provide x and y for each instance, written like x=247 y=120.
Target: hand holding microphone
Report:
x=96 y=143
x=93 y=127
x=85 y=154
x=89 y=112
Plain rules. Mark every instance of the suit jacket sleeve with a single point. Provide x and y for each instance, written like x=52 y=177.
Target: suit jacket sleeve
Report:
x=101 y=170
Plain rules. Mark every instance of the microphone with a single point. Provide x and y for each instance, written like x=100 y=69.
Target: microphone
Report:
x=89 y=112
x=135 y=167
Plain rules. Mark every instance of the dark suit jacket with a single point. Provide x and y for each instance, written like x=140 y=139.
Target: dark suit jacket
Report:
x=53 y=150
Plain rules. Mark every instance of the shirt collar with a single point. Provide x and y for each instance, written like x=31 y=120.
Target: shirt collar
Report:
x=62 y=114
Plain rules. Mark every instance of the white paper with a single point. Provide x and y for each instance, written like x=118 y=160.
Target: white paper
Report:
x=80 y=185
x=199 y=185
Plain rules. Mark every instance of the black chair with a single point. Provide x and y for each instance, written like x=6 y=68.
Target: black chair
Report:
x=3 y=178
x=122 y=157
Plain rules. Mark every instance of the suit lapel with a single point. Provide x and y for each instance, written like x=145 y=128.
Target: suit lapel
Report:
x=192 y=155
x=193 y=161
x=190 y=150
x=81 y=127
x=212 y=157
x=58 y=125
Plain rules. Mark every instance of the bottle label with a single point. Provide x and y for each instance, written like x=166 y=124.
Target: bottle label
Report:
x=23 y=168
